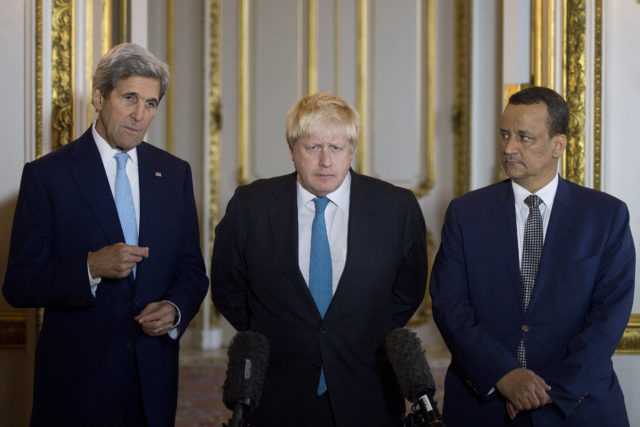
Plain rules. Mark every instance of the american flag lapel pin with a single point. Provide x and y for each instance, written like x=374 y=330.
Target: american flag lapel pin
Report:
x=159 y=174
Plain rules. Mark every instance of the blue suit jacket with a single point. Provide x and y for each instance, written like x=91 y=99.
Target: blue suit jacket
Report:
x=88 y=346
x=257 y=285
x=578 y=311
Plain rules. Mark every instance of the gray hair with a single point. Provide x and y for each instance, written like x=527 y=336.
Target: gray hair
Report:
x=128 y=60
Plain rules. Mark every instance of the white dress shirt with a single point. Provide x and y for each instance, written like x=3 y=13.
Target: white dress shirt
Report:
x=547 y=194
x=336 y=217
x=107 y=154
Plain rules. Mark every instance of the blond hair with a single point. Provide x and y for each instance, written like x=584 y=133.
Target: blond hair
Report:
x=322 y=114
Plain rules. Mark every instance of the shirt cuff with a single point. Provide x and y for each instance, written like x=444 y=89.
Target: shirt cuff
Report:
x=93 y=282
x=173 y=332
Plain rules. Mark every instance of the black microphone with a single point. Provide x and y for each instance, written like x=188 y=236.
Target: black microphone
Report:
x=414 y=376
x=248 y=358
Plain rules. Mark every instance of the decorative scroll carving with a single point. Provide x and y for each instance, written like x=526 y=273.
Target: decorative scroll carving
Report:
x=62 y=77
x=243 y=92
x=430 y=102
x=424 y=312
x=171 y=90
x=462 y=102
x=215 y=124
x=38 y=74
x=597 y=98
x=362 y=103
x=630 y=342
x=575 y=88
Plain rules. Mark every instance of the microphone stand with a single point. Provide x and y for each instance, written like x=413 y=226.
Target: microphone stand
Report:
x=424 y=414
x=238 y=414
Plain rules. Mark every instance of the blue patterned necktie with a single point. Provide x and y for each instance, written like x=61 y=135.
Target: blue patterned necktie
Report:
x=531 y=252
x=124 y=203
x=320 y=280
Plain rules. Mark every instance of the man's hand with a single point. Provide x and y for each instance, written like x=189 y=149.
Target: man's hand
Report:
x=116 y=261
x=157 y=318
x=524 y=390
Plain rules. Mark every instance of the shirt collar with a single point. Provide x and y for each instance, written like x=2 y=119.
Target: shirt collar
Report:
x=107 y=151
x=339 y=197
x=546 y=193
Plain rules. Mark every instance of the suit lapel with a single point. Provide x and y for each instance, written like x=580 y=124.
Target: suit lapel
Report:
x=504 y=221
x=151 y=195
x=362 y=213
x=90 y=176
x=562 y=214
x=283 y=217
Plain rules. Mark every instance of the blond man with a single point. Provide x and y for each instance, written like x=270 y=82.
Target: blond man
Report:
x=324 y=262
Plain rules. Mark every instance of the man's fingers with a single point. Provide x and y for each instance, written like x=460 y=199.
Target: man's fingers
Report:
x=138 y=251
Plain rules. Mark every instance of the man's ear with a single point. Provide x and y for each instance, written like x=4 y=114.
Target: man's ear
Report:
x=559 y=144
x=96 y=97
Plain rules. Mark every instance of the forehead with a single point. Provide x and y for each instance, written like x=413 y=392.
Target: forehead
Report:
x=525 y=116
x=146 y=87
x=328 y=137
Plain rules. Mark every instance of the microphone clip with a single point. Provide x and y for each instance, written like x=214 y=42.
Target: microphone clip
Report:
x=424 y=413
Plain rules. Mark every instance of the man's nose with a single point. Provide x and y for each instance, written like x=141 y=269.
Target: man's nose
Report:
x=137 y=113
x=325 y=157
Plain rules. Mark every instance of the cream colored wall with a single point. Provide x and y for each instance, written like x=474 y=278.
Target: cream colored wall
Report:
x=621 y=148
x=16 y=119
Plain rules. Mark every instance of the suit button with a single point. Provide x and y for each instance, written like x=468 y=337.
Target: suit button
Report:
x=135 y=301
x=524 y=328
x=128 y=344
x=323 y=330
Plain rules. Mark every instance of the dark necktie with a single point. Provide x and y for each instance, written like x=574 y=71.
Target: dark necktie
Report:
x=531 y=251
x=320 y=280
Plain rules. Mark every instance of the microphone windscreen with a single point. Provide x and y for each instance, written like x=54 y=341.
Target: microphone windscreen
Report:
x=248 y=358
x=409 y=364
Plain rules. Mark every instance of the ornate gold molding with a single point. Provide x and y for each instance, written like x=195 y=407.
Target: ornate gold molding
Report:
x=243 y=92
x=597 y=98
x=171 y=62
x=107 y=41
x=362 y=73
x=88 y=49
x=430 y=102
x=462 y=101
x=38 y=76
x=214 y=124
x=13 y=329
x=630 y=342
x=574 y=88
x=425 y=312
x=336 y=47
x=542 y=51
x=312 y=47
x=62 y=72
x=124 y=19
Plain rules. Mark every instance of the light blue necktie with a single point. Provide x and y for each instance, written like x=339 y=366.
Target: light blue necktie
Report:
x=124 y=203
x=320 y=281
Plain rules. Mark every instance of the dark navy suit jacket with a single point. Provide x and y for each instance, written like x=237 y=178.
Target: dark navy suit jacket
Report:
x=578 y=311
x=89 y=346
x=257 y=285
